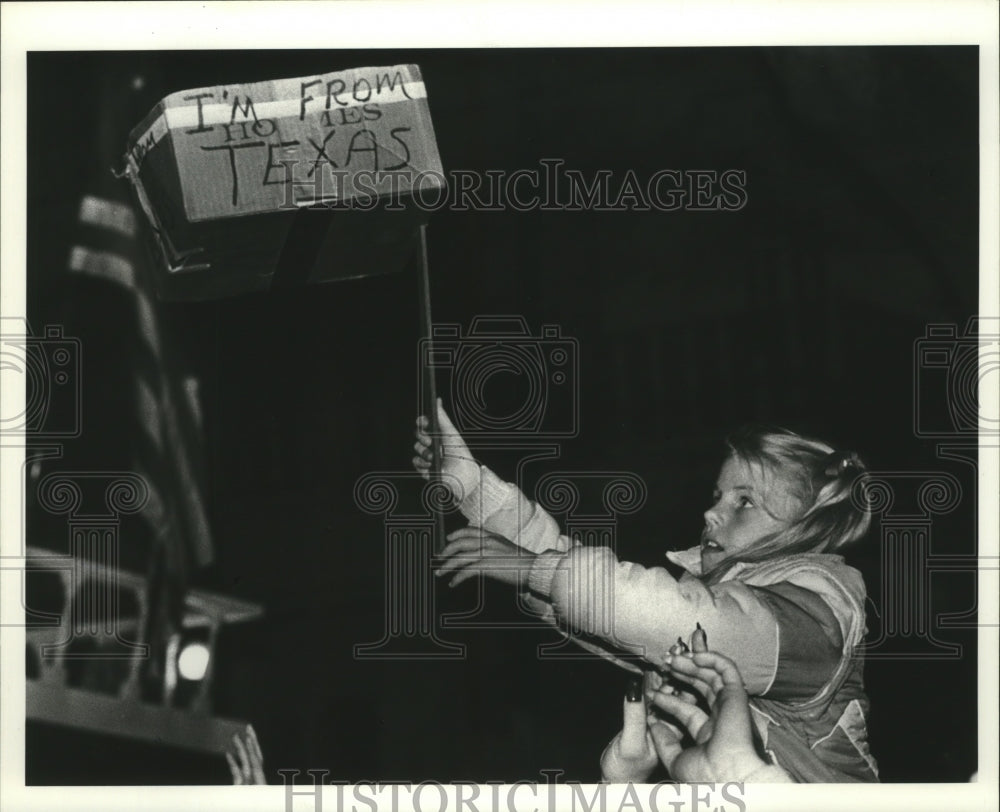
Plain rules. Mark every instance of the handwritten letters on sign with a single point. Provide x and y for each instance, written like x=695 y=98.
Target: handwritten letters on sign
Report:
x=346 y=137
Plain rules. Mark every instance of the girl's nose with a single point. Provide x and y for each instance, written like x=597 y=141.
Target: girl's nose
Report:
x=711 y=517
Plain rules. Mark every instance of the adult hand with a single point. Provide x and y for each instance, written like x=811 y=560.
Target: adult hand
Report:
x=246 y=761
x=723 y=748
x=654 y=681
x=473 y=550
x=460 y=469
x=666 y=736
x=630 y=756
x=698 y=642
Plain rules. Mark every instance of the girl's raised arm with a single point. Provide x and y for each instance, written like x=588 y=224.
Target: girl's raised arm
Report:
x=644 y=610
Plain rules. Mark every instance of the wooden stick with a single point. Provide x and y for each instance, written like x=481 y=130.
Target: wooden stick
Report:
x=429 y=386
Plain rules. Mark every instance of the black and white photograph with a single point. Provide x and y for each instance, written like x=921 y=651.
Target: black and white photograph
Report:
x=488 y=420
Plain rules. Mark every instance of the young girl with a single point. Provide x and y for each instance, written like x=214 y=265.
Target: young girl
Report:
x=764 y=584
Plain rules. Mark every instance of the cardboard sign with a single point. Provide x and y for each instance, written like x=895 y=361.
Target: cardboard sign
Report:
x=299 y=180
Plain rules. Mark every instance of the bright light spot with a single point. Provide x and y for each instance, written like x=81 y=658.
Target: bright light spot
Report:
x=193 y=661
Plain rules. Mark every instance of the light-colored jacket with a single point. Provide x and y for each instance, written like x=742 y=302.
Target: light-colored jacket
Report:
x=792 y=625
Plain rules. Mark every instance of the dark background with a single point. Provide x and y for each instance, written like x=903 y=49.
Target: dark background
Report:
x=802 y=309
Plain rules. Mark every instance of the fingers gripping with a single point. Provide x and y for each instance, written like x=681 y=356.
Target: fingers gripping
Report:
x=690 y=716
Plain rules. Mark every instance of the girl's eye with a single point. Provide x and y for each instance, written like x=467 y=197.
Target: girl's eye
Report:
x=746 y=502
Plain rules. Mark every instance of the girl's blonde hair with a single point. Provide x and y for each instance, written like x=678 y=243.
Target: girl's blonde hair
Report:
x=818 y=477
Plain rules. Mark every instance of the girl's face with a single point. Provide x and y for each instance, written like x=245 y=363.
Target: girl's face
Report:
x=745 y=511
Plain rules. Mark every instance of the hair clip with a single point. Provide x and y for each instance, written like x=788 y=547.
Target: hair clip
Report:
x=843 y=461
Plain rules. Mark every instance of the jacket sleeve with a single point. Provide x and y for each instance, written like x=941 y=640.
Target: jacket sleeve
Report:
x=625 y=606
x=644 y=610
x=810 y=643
x=500 y=507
